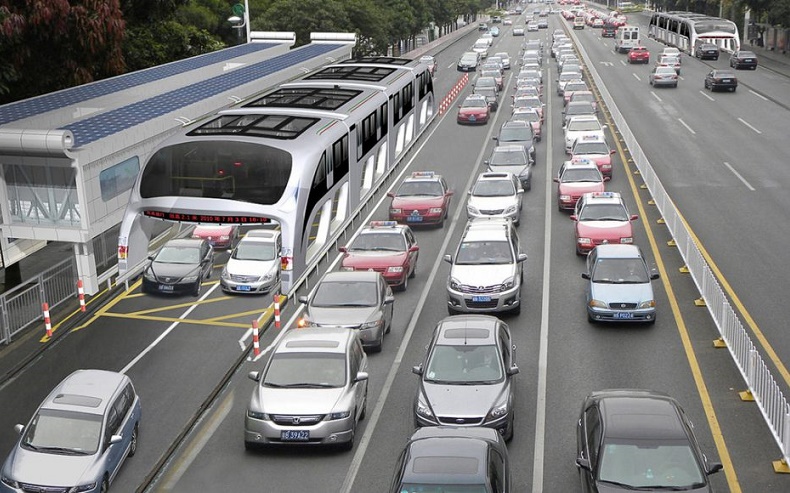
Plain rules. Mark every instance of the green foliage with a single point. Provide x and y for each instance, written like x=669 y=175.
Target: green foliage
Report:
x=163 y=42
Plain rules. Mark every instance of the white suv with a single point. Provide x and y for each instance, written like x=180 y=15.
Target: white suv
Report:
x=583 y=127
x=487 y=269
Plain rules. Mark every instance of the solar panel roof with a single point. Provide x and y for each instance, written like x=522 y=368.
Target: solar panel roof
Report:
x=356 y=73
x=273 y=126
x=67 y=97
x=102 y=125
x=305 y=97
x=387 y=60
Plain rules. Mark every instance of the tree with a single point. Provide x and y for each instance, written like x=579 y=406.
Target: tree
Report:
x=52 y=45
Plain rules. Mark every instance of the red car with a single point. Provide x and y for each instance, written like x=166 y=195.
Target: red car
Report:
x=596 y=150
x=602 y=218
x=576 y=179
x=217 y=235
x=422 y=198
x=638 y=54
x=473 y=110
x=386 y=247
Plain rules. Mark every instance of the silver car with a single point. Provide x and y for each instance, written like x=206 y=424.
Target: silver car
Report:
x=254 y=265
x=313 y=390
x=78 y=438
x=360 y=300
x=466 y=379
x=486 y=270
x=495 y=195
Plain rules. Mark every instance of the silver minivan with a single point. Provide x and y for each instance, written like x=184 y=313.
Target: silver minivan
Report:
x=78 y=437
x=312 y=391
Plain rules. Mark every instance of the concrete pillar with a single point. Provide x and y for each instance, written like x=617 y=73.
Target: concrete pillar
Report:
x=86 y=267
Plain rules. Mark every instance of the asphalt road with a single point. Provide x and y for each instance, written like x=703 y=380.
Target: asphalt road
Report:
x=176 y=365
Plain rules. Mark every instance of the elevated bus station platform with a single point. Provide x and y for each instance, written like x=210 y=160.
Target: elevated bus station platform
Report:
x=69 y=159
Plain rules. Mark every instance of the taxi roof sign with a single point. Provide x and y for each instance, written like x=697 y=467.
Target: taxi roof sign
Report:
x=423 y=174
x=606 y=195
x=383 y=224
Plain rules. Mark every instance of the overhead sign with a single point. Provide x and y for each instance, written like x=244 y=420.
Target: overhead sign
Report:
x=205 y=218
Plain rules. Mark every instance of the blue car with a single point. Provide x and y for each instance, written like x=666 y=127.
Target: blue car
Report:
x=619 y=288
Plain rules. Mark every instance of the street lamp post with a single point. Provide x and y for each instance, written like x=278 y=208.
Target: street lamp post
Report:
x=241 y=18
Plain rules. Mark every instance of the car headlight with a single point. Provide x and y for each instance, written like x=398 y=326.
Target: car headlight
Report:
x=82 y=487
x=423 y=409
x=8 y=481
x=648 y=304
x=394 y=211
x=257 y=415
x=347 y=268
x=472 y=210
x=606 y=166
x=597 y=304
x=190 y=278
x=584 y=241
x=626 y=240
x=395 y=269
x=224 y=237
x=454 y=284
x=565 y=198
x=524 y=172
x=435 y=210
x=499 y=409
x=511 y=209
x=509 y=283
x=372 y=324
x=148 y=274
x=339 y=415
x=224 y=274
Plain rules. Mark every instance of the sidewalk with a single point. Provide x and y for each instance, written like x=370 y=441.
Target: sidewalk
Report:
x=771 y=59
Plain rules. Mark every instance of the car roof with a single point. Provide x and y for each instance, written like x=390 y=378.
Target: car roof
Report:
x=316 y=340
x=487 y=228
x=261 y=234
x=640 y=414
x=468 y=330
x=509 y=148
x=88 y=391
x=184 y=242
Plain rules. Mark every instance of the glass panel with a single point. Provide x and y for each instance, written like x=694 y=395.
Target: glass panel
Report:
x=42 y=195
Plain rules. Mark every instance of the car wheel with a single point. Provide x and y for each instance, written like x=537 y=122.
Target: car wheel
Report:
x=133 y=441
x=105 y=486
x=733 y=89
x=196 y=291
x=350 y=444
x=451 y=310
x=675 y=85
x=590 y=319
x=380 y=345
x=517 y=310
x=754 y=67
x=528 y=185
x=413 y=270
x=404 y=284
x=511 y=427
x=364 y=411
x=251 y=446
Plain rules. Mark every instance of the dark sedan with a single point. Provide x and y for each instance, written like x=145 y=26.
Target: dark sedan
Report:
x=743 y=59
x=721 y=79
x=639 y=440
x=179 y=267
x=707 y=51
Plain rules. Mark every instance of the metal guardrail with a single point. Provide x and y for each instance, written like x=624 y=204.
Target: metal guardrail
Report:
x=767 y=393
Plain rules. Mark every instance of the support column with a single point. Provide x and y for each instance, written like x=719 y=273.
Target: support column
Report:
x=86 y=267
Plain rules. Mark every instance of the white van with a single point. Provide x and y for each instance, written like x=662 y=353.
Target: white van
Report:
x=626 y=38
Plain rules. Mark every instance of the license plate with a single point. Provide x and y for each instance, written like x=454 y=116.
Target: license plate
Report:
x=726 y=80
x=623 y=315
x=481 y=298
x=748 y=60
x=414 y=219
x=165 y=287
x=472 y=118
x=242 y=288
x=295 y=435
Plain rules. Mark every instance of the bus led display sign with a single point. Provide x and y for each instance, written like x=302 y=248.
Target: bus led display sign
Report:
x=205 y=218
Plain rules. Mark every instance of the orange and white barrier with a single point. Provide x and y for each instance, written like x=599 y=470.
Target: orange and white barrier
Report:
x=276 y=310
x=256 y=343
x=81 y=293
x=448 y=100
x=47 y=322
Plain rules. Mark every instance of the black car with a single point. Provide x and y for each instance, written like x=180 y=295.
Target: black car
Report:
x=179 y=267
x=743 y=59
x=707 y=51
x=639 y=440
x=721 y=79
x=447 y=458
x=468 y=62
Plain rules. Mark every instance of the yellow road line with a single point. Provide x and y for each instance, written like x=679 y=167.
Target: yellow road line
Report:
x=174 y=319
x=699 y=381
x=101 y=311
x=75 y=312
x=240 y=314
x=180 y=305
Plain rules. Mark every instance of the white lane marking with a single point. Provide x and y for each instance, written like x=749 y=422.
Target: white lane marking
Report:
x=707 y=95
x=185 y=460
x=636 y=77
x=543 y=352
x=738 y=175
x=291 y=322
x=656 y=96
x=748 y=125
x=243 y=340
x=758 y=95
x=167 y=331
x=687 y=127
x=362 y=447
x=451 y=65
x=622 y=62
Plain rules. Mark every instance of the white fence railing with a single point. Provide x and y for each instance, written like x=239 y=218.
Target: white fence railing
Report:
x=762 y=385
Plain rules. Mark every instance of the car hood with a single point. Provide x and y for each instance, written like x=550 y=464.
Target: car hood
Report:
x=482 y=275
x=462 y=400
x=604 y=229
x=343 y=316
x=604 y=487
x=489 y=203
x=579 y=188
x=295 y=401
x=626 y=293
x=417 y=202
x=250 y=267
x=370 y=260
x=28 y=466
x=177 y=271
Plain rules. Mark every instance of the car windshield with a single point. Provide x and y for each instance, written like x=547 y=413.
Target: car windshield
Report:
x=568 y=76
x=650 y=465
x=515 y=134
x=485 y=82
x=306 y=370
x=583 y=108
x=474 y=103
x=591 y=148
x=337 y=294
x=493 y=188
x=527 y=116
x=576 y=86
x=603 y=212
x=429 y=188
x=584 y=126
x=250 y=250
x=665 y=70
x=582 y=96
x=508 y=158
x=620 y=271
x=63 y=432
x=464 y=365
x=391 y=242
x=484 y=252
x=178 y=255
x=581 y=175
x=442 y=488
x=490 y=73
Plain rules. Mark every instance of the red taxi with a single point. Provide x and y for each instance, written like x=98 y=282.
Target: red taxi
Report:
x=602 y=218
x=474 y=109
x=596 y=150
x=638 y=54
x=386 y=247
x=217 y=235
x=423 y=198
x=576 y=179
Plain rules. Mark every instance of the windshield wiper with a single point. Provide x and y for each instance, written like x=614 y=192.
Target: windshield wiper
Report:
x=304 y=385
x=385 y=249
x=622 y=485
x=62 y=450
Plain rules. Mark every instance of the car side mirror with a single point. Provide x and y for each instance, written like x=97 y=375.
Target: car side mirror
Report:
x=448 y=259
x=255 y=376
x=361 y=376
x=389 y=299
x=417 y=370
x=392 y=194
x=342 y=249
x=573 y=217
x=303 y=299
x=583 y=463
x=450 y=192
x=115 y=439
x=654 y=276
x=612 y=152
x=513 y=370
x=522 y=257
x=19 y=429
x=520 y=191
x=714 y=468
x=607 y=178
x=486 y=162
x=414 y=248
x=585 y=275
x=151 y=257
x=634 y=217
x=555 y=180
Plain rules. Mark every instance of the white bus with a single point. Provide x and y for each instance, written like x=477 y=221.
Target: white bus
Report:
x=687 y=30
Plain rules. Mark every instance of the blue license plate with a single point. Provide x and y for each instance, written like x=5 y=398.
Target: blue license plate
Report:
x=472 y=118
x=242 y=288
x=414 y=219
x=623 y=315
x=481 y=298
x=165 y=287
x=295 y=435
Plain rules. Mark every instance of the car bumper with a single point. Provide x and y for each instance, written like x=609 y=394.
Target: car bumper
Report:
x=368 y=337
x=511 y=215
x=411 y=220
x=177 y=288
x=504 y=301
x=665 y=83
x=266 y=432
x=257 y=287
x=621 y=316
x=500 y=424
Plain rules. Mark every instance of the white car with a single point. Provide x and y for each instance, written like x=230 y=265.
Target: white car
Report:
x=518 y=31
x=505 y=59
x=254 y=265
x=584 y=127
x=495 y=195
